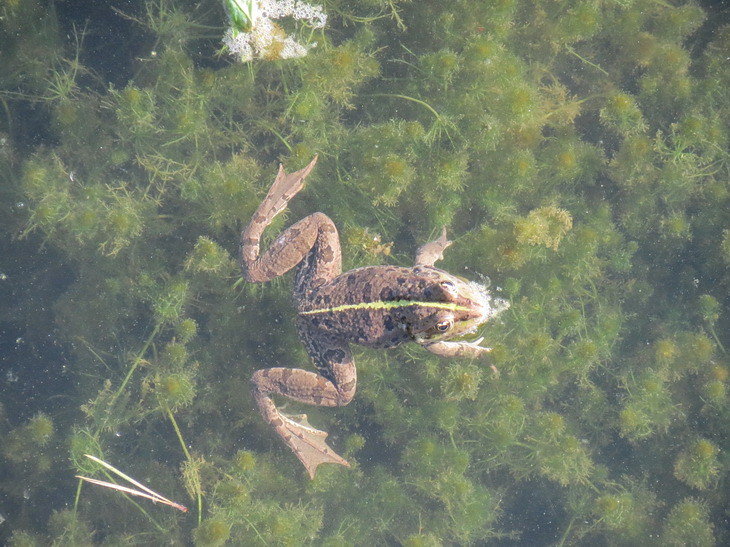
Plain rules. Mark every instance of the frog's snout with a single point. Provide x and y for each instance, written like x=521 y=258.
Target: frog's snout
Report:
x=485 y=304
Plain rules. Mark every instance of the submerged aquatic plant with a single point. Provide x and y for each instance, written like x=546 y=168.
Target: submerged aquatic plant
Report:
x=575 y=151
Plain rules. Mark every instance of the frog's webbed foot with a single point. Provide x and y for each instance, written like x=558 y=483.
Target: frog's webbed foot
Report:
x=460 y=349
x=429 y=253
x=285 y=187
x=307 y=442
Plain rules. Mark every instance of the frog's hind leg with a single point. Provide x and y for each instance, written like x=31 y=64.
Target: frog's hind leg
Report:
x=433 y=251
x=282 y=255
x=307 y=442
x=333 y=384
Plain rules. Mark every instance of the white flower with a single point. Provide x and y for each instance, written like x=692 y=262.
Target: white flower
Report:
x=239 y=44
x=262 y=38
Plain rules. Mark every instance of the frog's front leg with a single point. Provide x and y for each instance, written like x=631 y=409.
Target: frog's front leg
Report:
x=333 y=386
x=444 y=348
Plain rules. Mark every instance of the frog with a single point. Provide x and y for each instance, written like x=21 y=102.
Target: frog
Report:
x=374 y=306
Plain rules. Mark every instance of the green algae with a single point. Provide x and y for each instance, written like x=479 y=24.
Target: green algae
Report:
x=577 y=152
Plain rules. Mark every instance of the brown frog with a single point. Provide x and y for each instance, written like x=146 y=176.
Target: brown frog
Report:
x=375 y=306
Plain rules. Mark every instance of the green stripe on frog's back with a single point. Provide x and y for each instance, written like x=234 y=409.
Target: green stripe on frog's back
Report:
x=387 y=305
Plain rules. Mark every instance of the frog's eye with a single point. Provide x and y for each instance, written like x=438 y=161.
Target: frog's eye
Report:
x=443 y=326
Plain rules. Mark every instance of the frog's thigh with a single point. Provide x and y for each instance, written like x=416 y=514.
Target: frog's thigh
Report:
x=332 y=358
x=283 y=254
x=298 y=384
x=324 y=262
x=315 y=232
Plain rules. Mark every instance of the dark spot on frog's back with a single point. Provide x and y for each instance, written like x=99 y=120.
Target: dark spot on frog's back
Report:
x=328 y=253
x=334 y=356
x=386 y=294
x=388 y=323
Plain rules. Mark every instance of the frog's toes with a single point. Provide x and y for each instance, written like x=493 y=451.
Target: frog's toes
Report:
x=300 y=421
x=308 y=443
x=431 y=252
x=475 y=348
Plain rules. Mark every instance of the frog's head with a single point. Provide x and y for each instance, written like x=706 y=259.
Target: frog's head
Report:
x=458 y=307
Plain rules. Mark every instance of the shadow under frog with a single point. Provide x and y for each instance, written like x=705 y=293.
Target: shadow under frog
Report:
x=375 y=306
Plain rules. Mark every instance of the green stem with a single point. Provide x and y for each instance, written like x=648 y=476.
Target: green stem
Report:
x=278 y=135
x=8 y=116
x=407 y=98
x=586 y=61
x=135 y=364
x=198 y=495
x=77 y=497
x=177 y=432
x=566 y=533
x=253 y=527
x=714 y=335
